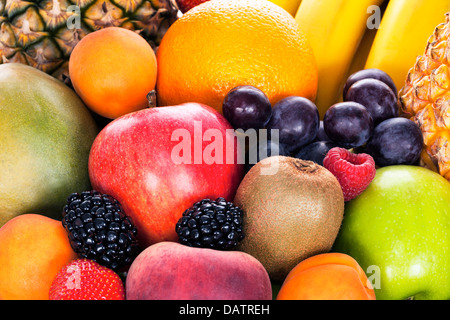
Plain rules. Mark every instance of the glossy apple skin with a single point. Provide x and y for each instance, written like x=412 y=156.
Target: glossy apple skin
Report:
x=172 y=271
x=401 y=224
x=131 y=159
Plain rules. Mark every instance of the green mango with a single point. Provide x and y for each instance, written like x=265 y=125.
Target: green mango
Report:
x=46 y=133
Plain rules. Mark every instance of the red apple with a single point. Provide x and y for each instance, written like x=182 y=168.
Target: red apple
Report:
x=172 y=271
x=185 y=5
x=158 y=162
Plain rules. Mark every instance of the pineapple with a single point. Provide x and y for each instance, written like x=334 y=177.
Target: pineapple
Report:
x=425 y=98
x=42 y=33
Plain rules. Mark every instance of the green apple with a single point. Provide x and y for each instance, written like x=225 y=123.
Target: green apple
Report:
x=398 y=230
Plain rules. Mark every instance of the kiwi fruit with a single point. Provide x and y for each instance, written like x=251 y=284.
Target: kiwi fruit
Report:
x=293 y=209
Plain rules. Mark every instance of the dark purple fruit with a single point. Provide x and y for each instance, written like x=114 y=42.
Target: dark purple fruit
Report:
x=247 y=107
x=396 y=141
x=297 y=120
x=321 y=134
x=369 y=74
x=348 y=124
x=315 y=151
x=99 y=229
x=214 y=224
x=376 y=96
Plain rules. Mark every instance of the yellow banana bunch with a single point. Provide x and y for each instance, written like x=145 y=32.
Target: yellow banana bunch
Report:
x=405 y=28
x=334 y=29
x=290 y=6
x=360 y=57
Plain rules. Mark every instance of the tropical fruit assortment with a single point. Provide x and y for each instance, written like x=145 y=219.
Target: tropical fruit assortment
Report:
x=224 y=150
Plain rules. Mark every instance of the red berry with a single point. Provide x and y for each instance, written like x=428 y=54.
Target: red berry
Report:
x=85 y=279
x=353 y=171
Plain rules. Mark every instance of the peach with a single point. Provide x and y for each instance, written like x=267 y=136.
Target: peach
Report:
x=33 y=248
x=172 y=271
x=328 y=276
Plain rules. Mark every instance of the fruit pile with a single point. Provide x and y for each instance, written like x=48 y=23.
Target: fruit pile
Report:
x=224 y=150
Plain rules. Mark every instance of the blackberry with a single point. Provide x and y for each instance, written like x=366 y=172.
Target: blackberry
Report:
x=99 y=229
x=211 y=224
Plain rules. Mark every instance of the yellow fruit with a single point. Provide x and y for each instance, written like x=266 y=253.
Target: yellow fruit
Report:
x=425 y=98
x=221 y=44
x=290 y=6
x=405 y=27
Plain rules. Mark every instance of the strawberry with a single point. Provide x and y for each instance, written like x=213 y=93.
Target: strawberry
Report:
x=85 y=279
x=353 y=171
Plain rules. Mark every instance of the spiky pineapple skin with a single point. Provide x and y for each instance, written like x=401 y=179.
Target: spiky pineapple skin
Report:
x=425 y=99
x=43 y=33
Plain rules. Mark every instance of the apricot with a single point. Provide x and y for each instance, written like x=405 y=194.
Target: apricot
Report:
x=113 y=70
x=33 y=248
x=327 y=276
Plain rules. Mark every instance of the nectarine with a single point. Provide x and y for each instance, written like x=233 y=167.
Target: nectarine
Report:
x=33 y=248
x=328 y=276
x=172 y=271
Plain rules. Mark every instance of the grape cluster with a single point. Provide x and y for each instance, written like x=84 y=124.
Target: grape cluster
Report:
x=366 y=121
x=294 y=120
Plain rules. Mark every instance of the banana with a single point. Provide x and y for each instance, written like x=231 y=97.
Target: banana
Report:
x=361 y=54
x=290 y=6
x=334 y=29
x=403 y=33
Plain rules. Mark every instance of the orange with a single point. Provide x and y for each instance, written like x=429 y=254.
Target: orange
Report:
x=33 y=248
x=327 y=276
x=113 y=70
x=221 y=44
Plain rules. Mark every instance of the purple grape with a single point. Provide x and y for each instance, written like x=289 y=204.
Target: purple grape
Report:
x=376 y=96
x=315 y=151
x=297 y=120
x=348 y=124
x=369 y=74
x=321 y=134
x=247 y=107
x=395 y=141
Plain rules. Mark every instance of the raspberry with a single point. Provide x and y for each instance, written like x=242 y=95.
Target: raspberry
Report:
x=85 y=279
x=353 y=171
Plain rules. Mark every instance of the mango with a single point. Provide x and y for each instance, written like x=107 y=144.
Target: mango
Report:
x=46 y=133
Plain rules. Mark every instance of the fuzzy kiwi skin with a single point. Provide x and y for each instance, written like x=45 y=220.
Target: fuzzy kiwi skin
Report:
x=290 y=215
